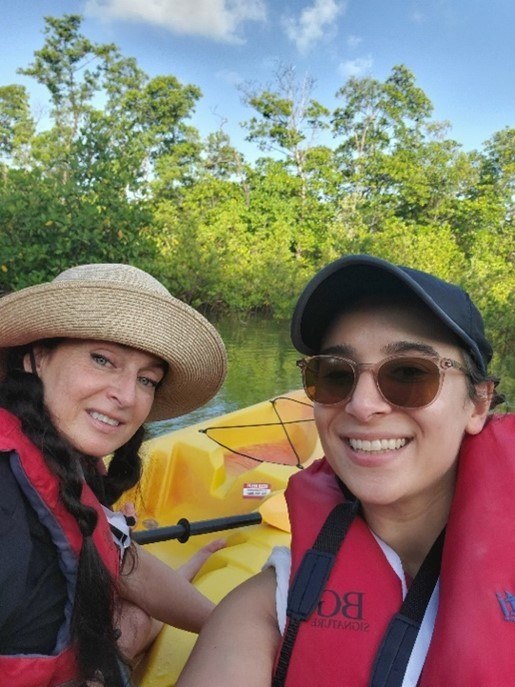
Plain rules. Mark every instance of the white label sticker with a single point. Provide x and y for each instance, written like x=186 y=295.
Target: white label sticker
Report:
x=256 y=490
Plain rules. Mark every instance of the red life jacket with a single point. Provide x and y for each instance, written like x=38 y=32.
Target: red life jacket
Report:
x=474 y=634
x=41 y=487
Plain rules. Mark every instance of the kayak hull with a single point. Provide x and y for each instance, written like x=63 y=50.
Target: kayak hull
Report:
x=234 y=464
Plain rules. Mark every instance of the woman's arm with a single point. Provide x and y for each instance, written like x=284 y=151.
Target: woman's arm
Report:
x=238 y=643
x=163 y=593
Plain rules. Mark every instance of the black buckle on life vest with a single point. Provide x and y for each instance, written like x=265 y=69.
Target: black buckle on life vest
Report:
x=393 y=656
x=309 y=580
x=394 y=653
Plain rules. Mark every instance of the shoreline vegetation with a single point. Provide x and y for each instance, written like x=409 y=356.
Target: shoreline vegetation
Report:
x=132 y=181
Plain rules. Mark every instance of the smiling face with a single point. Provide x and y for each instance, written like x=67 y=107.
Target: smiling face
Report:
x=388 y=455
x=98 y=393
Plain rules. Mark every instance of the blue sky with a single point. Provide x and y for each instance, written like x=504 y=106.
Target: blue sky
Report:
x=461 y=51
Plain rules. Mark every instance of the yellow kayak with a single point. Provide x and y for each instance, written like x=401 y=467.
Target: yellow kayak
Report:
x=236 y=464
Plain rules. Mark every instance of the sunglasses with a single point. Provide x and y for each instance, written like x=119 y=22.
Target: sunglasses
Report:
x=403 y=381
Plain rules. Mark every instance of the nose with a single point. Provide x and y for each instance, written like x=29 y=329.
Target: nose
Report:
x=366 y=401
x=123 y=389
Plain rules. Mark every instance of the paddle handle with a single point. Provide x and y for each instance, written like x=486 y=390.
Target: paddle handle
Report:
x=184 y=529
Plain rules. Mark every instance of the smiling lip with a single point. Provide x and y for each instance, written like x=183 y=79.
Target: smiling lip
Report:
x=376 y=445
x=106 y=420
x=375 y=453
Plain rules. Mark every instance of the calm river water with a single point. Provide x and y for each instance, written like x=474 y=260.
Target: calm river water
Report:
x=261 y=365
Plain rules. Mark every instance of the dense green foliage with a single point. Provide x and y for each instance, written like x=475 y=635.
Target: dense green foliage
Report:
x=119 y=174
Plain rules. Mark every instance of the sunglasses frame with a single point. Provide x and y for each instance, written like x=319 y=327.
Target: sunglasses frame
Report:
x=441 y=364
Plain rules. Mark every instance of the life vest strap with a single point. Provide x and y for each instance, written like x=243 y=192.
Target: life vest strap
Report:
x=394 y=653
x=311 y=578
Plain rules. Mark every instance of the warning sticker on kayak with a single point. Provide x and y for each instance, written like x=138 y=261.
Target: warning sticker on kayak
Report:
x=256 y=490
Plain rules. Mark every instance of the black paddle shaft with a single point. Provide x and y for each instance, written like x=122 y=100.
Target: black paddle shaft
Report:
x=184 y=529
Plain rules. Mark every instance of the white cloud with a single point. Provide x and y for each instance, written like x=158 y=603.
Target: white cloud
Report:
x=353 y=41
x=220 y=20
x=417 y=17
x=357 y=67
x=229 y=76
x=314 y=24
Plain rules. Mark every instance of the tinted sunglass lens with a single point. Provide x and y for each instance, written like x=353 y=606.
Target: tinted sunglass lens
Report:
x=328 y=380
x=409 y=382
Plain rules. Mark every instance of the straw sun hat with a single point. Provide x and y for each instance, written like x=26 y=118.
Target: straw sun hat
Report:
x=123 y=304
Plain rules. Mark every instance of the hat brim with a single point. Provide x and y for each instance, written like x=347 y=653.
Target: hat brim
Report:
x=155 y=323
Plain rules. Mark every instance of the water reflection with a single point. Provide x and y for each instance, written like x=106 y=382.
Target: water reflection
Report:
x=261 y=365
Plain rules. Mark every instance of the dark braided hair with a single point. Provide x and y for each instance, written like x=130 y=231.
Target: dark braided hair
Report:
x=22 y=394
x=124 y=470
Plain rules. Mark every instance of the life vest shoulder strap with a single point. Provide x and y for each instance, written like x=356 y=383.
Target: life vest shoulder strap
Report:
x=311 y=577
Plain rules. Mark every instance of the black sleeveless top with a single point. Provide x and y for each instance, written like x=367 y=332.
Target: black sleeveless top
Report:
x=32 y=586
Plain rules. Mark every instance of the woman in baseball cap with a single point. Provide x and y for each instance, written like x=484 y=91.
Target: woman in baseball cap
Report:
x=401 y=566
x=85 y=361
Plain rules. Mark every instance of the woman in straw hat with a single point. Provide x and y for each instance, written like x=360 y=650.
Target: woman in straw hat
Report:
x=401 y=570
x=85 y=360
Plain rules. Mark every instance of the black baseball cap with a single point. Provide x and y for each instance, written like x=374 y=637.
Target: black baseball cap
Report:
x=343 y=282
